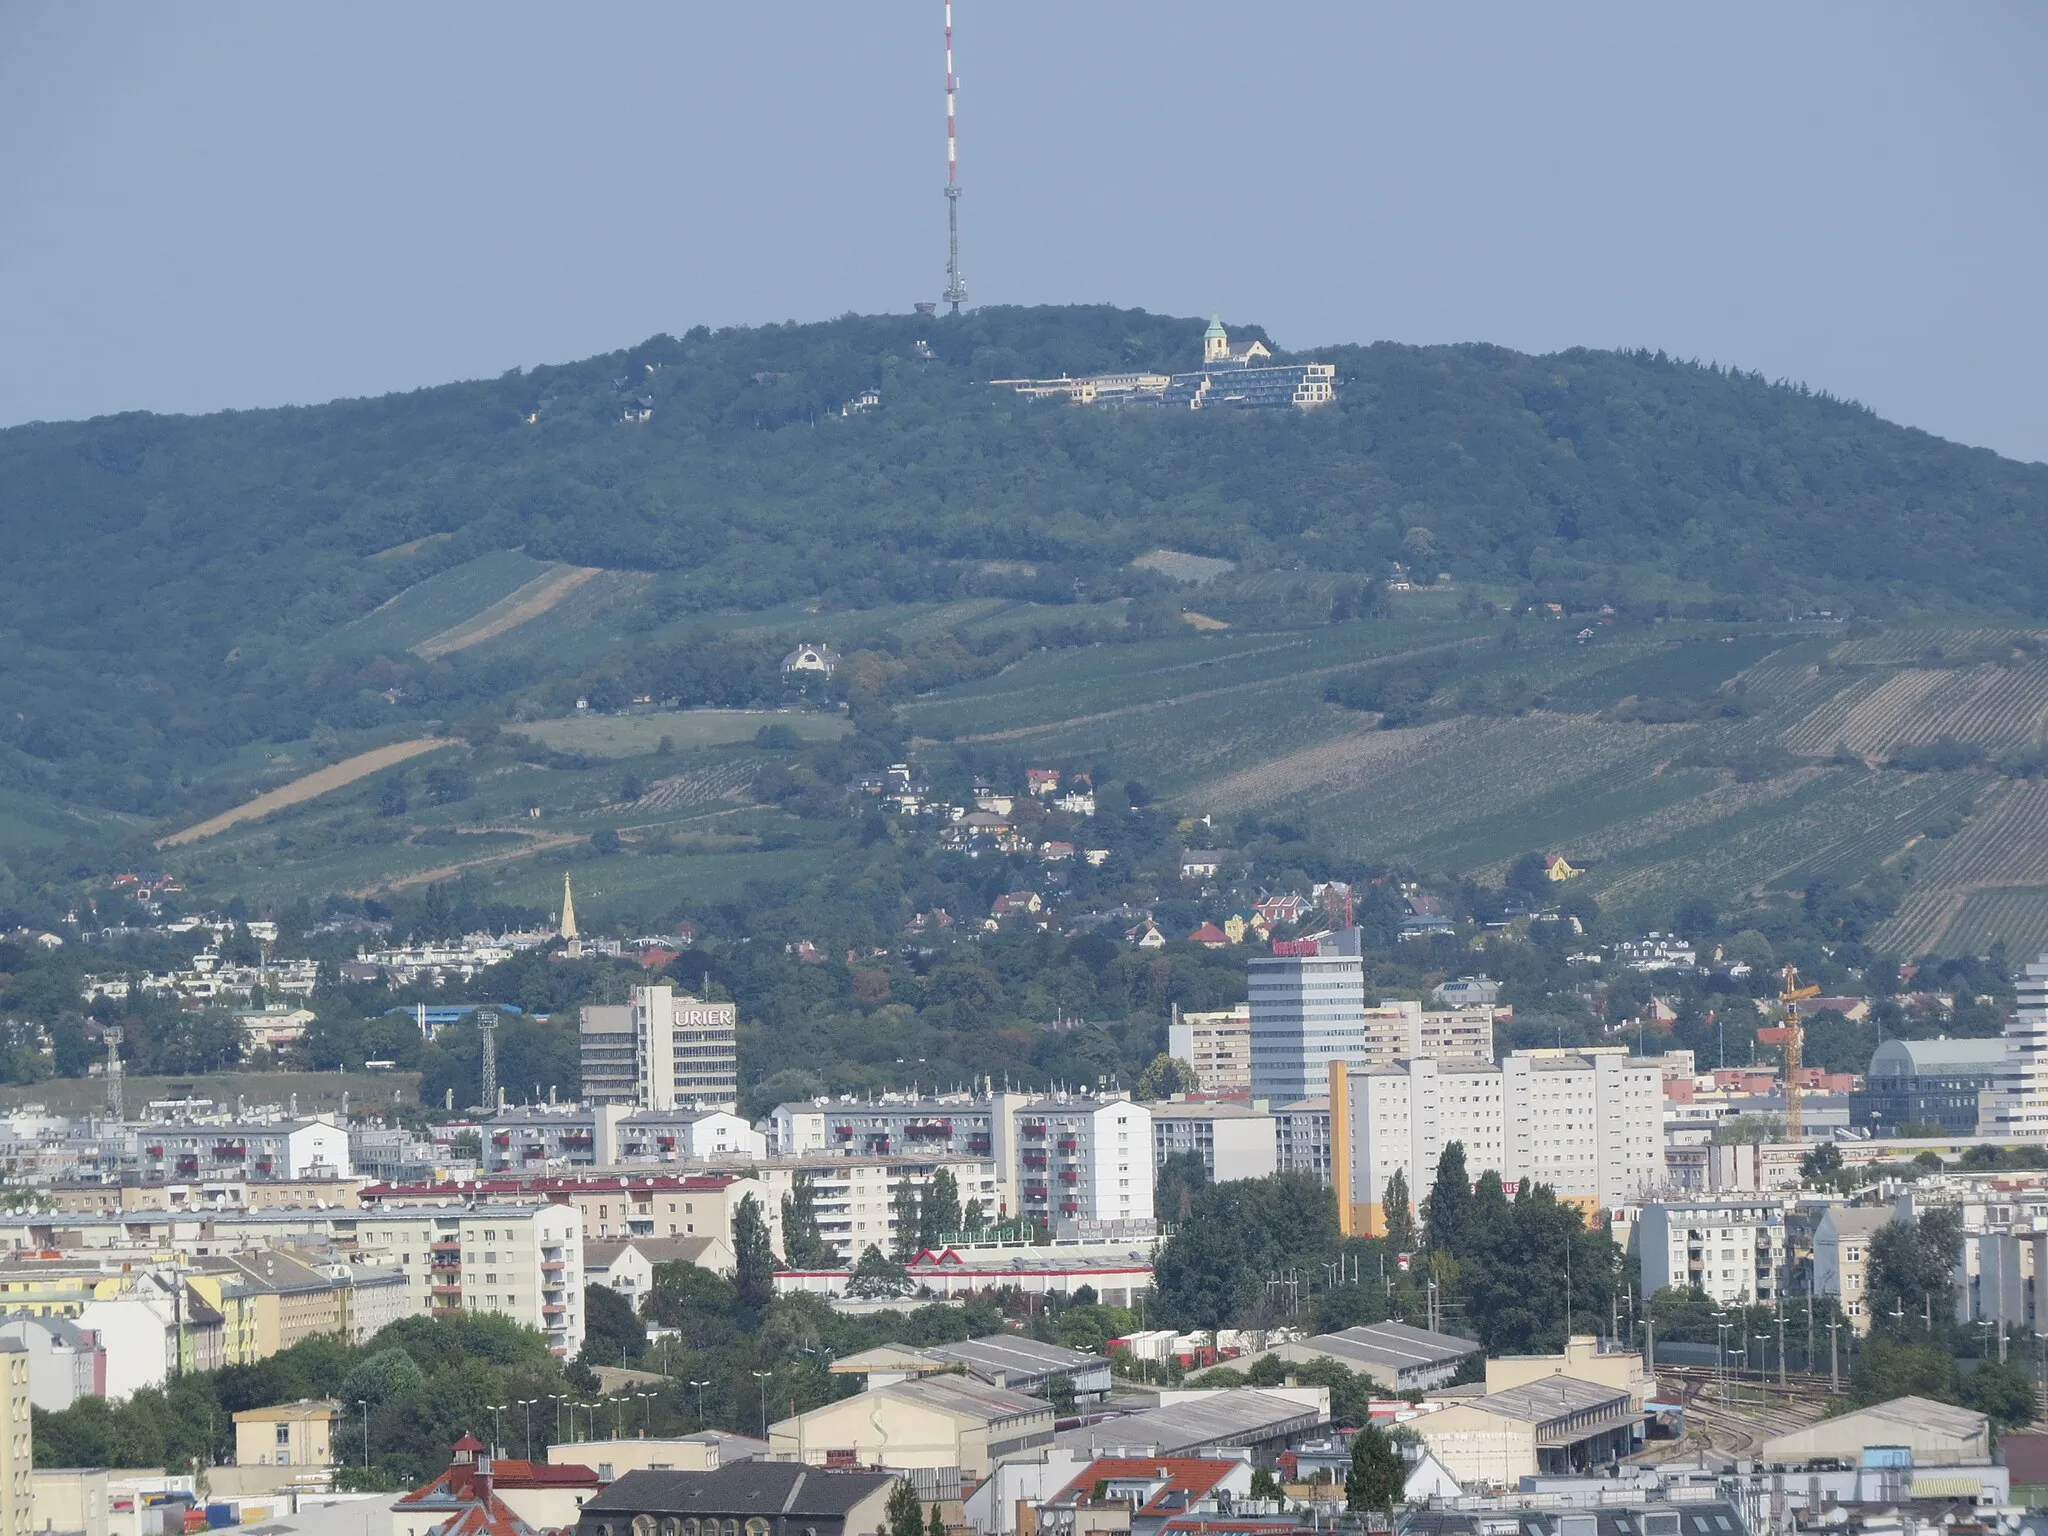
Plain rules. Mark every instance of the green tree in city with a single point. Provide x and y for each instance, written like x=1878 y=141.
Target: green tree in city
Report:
x=612 y=1335
x=803 y=1242
x=876 y=1275
x=904 y=1514
x=1399 y=1217
x=1375 y=1480
x=2002 y=1390
x=753 y=1257
x=1175 y=1183
x=938 y=1212
x=904 y=1207
x=1165 y=1076
x=1450 y=1202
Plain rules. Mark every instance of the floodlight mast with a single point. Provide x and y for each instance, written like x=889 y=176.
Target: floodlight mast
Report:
x=956 y=285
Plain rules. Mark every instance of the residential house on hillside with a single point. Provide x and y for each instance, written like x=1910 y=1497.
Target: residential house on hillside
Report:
x=809 y=660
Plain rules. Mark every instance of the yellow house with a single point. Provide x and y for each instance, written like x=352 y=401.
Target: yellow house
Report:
x=1560 y=869
x=300 y=1434
x=235 y=1300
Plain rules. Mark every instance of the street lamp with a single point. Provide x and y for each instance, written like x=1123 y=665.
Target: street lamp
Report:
x=496 y=1409
x=527 y=1403
x=700 y=1386
x=762 y=1377
x=363 y=1403
x=646 y=1413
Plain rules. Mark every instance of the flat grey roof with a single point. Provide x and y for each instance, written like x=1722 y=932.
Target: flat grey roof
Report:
x=1231 y=1416
x=1395 y=1344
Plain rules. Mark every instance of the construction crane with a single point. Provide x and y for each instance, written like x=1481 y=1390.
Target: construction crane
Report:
x=1792 y=1036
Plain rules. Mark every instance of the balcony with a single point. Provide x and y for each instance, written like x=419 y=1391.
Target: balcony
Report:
x=929 y=1130
x=1069 y=1145
x=1034 y=1159
x=551 y=1266
x=1070 y=1175
x=553 y=1309
x=230 y=1151
x=981 y=1142
x=1032 y=1128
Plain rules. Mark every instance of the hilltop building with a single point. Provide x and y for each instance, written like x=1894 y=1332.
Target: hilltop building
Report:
x=1243 y=376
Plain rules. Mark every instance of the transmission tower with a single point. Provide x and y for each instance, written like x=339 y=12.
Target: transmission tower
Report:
x=116 y=1103
x=956 y=285
x=487 y=1026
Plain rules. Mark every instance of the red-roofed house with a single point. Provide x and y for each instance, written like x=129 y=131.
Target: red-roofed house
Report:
x=1151 y=1491
x=1209 y=936
x=1042 y=781
x=477 y=1496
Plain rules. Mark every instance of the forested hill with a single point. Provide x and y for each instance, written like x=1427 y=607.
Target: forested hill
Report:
x=175 y=582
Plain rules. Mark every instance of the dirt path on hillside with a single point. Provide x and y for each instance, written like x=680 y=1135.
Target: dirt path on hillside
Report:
x=541 y=843
x=508 y=613
x=320 y=782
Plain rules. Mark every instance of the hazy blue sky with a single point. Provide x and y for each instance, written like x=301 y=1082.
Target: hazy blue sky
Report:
x=233 y=205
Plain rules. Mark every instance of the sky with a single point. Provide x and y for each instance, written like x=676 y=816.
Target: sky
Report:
x=209 y=207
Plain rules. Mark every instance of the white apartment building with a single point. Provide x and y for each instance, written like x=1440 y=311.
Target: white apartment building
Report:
x=1841 y=1258
x=962 y=1126
x=266 y=1150
x=1234 y=1141
x=1399 y=1118
x=1585 y=1123
x=1217 y=1045
x=521 y=1262
x=1085 y=1160
x=855 y=1197
x=1732 y=1249
x=661 y=1051
x=542 y=1138
x=2018 y=1106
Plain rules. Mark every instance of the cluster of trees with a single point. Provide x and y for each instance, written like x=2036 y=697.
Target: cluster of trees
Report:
x=426 y=1381
x=1515 y=1271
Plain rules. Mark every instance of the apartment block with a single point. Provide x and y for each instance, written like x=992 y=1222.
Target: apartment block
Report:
x=855 y=1197
x=1302 y=1130
x=268 y=1151
x=544 y=1138
x=1841 y=1260
x=1588 y=1124
x=1733 y=1250
x=962 y=1127
x=1233 y=1140
x=612 y=1206
x=521 y=1262
x=660 y=1050
x=1085 y=1160
x=1217 y=1045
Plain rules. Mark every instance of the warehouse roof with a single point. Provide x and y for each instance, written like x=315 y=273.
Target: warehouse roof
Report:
x=1234 y=1416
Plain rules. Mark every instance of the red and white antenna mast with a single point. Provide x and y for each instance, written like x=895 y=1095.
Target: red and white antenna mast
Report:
x=956 y=285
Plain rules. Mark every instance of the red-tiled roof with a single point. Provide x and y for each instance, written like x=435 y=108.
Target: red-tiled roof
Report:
x=507 y=1473
x=1193 y=1476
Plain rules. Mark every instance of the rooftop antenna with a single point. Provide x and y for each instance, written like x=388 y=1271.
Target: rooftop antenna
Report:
x=487 y=1027
x=956 y=285
x=116 y=1105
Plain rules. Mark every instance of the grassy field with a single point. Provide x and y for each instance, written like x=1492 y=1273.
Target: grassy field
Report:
x=637 y=735
x=317 y=1091
x=430 y=607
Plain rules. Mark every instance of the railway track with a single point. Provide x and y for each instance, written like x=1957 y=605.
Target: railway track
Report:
x=1756 y=1411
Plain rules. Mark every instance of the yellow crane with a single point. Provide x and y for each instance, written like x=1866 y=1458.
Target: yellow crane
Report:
x=1792 y=1036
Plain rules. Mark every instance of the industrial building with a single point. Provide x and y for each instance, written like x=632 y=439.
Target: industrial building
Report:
x=1934 y=1434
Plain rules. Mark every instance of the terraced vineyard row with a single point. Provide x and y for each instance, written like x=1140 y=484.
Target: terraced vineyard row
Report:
x=683 y=790
x=2018 y=918
x=1904 y=646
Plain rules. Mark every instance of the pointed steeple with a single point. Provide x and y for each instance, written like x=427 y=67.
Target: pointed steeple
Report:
x=569 y=918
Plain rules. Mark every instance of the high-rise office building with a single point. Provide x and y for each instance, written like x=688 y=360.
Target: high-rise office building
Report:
x=2018 y=1106
x=659 y=1050
x=1307 y=1010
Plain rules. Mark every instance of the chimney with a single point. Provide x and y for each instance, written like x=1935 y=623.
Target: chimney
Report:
x=480 y=1480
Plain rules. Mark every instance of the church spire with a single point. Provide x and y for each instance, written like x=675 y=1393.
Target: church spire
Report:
x=569 y=918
